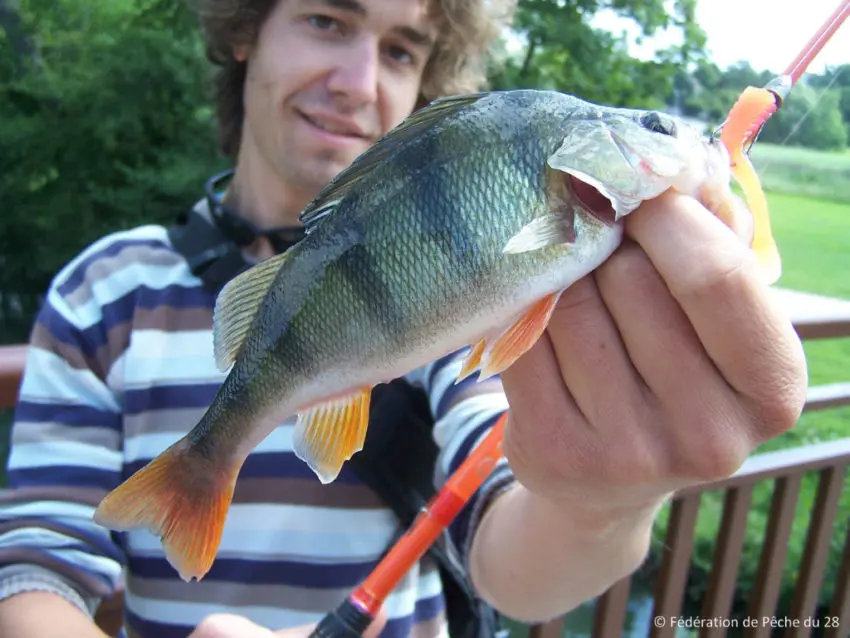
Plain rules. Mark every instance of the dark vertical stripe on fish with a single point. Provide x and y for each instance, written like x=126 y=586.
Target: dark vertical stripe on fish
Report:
x=366 y=281
x=438 y=204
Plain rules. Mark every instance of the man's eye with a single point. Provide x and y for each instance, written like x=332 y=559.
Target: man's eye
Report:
x=324 y=23
x=400 y=54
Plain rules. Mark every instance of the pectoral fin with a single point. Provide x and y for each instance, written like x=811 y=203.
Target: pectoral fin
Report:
x=550 y=229
x=518 y=338
x=328 y=434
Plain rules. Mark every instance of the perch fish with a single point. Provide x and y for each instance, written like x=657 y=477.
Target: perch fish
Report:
x=461 y=227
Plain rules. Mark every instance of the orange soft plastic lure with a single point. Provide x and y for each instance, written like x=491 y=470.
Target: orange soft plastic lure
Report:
x=747 y=116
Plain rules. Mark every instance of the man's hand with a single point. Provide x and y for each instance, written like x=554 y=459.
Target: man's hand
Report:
x=233 y=626
x=667 y=367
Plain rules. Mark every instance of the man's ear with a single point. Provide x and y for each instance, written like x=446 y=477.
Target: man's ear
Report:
x=241 y=52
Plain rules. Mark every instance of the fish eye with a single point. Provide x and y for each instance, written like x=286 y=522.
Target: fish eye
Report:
x=658 y=123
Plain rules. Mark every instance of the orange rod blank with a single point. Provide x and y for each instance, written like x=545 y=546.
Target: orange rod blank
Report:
x=426 y=529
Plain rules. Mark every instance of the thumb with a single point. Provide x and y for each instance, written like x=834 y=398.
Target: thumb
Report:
x=303 y=631
x=376 y=626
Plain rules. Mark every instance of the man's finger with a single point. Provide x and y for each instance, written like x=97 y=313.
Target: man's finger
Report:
x=699 y=414
x=657 y=334
x=232 y=626
x=716 y=281
x=376 y=626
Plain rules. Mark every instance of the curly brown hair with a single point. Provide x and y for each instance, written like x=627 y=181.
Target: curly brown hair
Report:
x=467 y=30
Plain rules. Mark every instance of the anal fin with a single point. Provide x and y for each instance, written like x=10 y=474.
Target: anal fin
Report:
x=328 y=434
x=518 y=338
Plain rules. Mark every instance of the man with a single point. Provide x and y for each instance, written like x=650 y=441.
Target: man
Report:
x=667 y=367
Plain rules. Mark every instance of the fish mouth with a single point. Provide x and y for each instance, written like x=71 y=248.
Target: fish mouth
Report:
x=615 y=164
x=593 y=200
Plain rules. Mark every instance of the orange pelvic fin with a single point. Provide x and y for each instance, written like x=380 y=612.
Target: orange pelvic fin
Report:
x=472 y=362
x=180 y=496
x=328 y=434
x=746 y=117
x=518 y=338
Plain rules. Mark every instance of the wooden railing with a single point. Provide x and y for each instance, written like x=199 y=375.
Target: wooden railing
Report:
x=814 y=318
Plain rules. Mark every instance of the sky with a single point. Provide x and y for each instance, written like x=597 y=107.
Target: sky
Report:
x=767 y=33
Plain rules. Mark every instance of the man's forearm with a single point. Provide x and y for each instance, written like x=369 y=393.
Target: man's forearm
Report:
x=533 y=560
x=38 y=614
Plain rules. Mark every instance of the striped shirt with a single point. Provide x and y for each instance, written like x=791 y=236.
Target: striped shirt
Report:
x=120 y=367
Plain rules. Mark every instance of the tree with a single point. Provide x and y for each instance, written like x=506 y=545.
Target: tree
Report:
x=808 y=118
x=563 y=51
x=105 y=123
x=838 y=79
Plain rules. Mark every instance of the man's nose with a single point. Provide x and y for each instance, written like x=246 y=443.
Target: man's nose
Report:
x=355 y=78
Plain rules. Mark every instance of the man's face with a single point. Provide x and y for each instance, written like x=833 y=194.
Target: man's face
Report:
x=325 y=79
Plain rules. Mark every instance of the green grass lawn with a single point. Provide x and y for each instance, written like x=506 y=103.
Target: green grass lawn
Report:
x=814 y=240
x=801 y=171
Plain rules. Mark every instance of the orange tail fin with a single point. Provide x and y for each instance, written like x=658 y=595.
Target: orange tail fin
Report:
x=182 y=497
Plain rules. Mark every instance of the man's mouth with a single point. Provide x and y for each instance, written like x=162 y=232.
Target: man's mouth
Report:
x=334 y=127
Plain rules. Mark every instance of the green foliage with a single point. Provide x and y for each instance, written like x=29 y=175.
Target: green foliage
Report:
x=107 y=127
x=815 y=115
x=837 y=78
x=808 y=118
x=562 y=50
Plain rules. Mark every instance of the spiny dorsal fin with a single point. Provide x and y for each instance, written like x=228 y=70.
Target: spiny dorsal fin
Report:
x=236 y=306
x=409 y=130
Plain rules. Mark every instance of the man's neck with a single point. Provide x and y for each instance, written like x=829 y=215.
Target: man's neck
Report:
x=262 y=200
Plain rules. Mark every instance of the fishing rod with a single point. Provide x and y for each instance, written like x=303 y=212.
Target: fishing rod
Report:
x=781 y=85
x=351 y=618
x=746 y=118
x=796 y=69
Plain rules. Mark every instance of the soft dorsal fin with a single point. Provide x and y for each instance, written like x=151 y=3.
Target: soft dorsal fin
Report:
x=236 y=306
x=409 y=130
